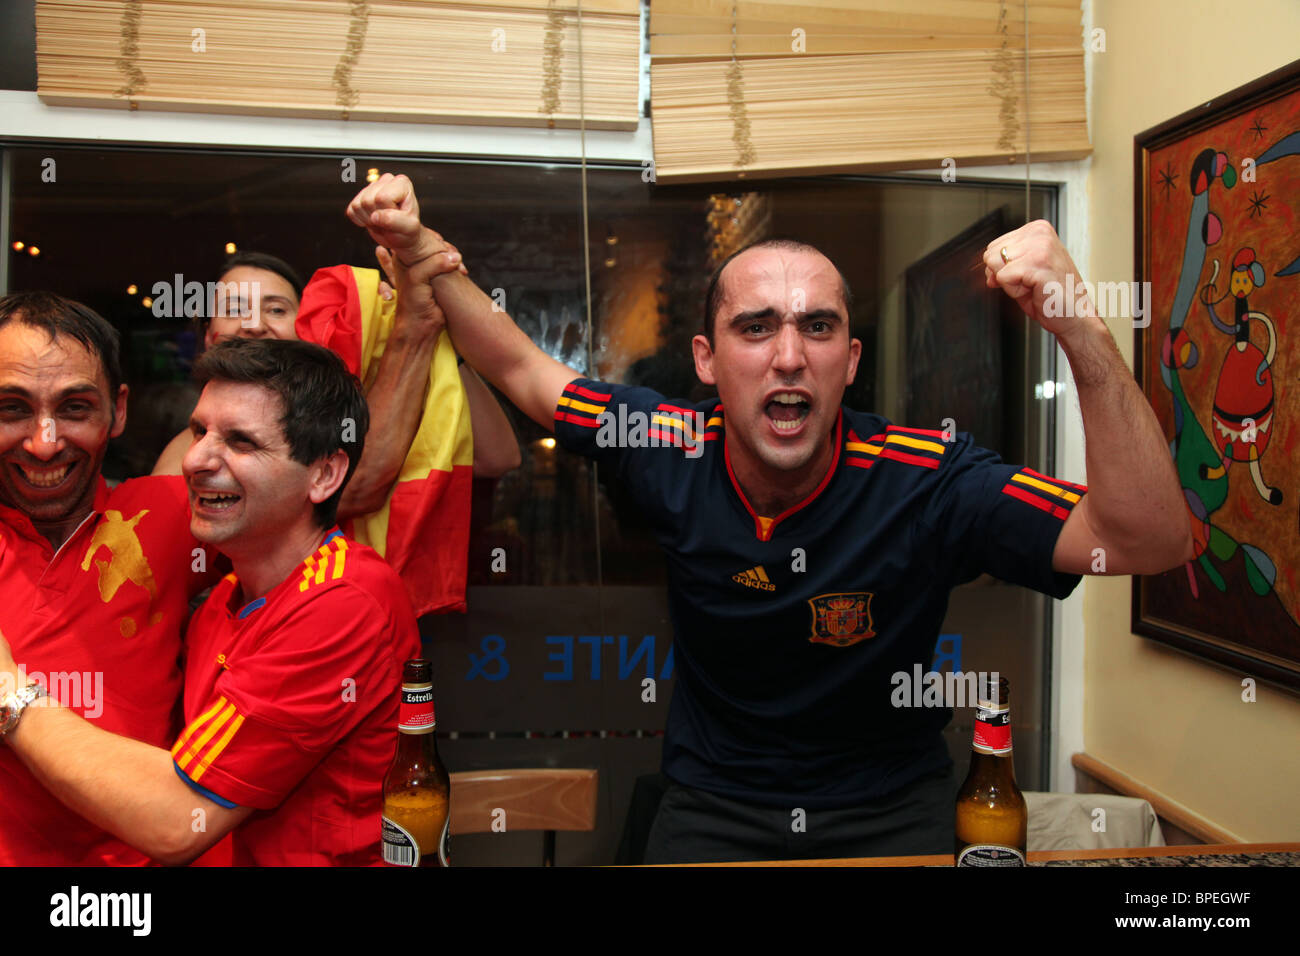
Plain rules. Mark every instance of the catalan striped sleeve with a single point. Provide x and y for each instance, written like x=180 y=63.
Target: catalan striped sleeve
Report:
x=991 y=517
x=275 y=713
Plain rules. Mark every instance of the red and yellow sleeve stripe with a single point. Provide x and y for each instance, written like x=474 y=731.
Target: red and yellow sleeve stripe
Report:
x=1052 y=495
x=714 y=424
x=911 y=446
x=206 y=737
x=581 y=406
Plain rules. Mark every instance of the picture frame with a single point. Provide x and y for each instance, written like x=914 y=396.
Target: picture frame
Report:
x=955 y=338
x=1217 y=354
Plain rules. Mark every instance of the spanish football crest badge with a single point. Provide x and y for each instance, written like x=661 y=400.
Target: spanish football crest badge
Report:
x=841 y=619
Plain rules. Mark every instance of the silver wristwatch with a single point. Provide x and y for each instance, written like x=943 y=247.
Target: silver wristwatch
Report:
x=12 y=707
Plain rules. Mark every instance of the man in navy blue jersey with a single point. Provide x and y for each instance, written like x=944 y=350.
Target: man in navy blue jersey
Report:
x=812 y=548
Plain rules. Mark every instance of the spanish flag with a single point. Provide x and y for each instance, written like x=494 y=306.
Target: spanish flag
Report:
x=423 y=528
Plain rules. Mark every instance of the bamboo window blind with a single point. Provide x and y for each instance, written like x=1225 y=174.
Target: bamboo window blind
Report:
x=823 y=86
x=477 y=62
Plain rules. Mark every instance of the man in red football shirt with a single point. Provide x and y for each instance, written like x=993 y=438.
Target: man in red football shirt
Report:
x=294 y=661
x=94 y=582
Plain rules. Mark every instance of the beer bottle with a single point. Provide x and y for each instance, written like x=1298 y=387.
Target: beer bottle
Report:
x=992 y=821
x=417 y=790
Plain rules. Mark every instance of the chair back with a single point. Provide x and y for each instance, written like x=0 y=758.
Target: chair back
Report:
x=509 y=800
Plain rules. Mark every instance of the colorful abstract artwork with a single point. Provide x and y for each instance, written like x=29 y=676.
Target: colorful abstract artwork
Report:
x=1218 y=239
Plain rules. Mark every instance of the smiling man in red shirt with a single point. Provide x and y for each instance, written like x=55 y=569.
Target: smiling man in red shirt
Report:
x=293 y=662
x=94 y=582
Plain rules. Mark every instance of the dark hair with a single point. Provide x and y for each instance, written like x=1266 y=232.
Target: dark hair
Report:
x=262 y=260
x=59 y=316
x=713 y=298
x=321 y=400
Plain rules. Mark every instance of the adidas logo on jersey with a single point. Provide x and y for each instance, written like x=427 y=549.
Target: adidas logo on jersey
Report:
x=754 y=578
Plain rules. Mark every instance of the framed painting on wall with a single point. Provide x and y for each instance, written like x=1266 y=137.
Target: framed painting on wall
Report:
x=1217 y=353
x=955 y=344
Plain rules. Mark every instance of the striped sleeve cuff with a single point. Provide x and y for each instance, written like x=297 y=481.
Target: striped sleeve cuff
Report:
x=1052 y=495
x=205 y=738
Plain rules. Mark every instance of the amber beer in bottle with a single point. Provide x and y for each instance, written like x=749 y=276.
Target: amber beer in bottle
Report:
x=417 y=790
x=992 y=821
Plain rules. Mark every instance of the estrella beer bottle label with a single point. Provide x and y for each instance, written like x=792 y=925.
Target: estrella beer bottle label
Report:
x=415 y=712
x=992 y=729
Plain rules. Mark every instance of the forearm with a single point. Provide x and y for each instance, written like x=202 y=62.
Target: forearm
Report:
x=396 y=399
x=485 y=335
x=496 y=449
x=498 y=349
x=121 y=785
x=1135 y=501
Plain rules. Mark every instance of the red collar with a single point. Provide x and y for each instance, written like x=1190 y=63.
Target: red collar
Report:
x=764 y=527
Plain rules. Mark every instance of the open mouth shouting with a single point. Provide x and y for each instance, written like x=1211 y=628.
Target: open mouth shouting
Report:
x=787 y=411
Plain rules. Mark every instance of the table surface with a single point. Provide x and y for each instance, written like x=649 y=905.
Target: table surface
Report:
x=1218 y=854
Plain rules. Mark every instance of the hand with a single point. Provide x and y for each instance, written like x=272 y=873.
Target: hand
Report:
x=417 y=309
x=1040 y=275
x=388 y=210
x=451 y=261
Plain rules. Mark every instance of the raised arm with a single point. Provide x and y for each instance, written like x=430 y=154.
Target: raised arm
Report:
x=485 y=335
x=396 y=391
x=1134 y=509
x=396 y=386
x=496 y=447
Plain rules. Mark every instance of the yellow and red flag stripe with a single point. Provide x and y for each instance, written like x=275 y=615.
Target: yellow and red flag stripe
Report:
x=422 y=530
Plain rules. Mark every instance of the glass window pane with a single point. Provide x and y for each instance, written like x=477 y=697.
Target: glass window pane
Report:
x=936 y=345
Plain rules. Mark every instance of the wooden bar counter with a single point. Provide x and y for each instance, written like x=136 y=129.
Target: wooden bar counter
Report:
x=1220 y=854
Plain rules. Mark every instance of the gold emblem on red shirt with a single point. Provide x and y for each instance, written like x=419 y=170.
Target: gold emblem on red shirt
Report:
x=126 y=562
x=841 y=619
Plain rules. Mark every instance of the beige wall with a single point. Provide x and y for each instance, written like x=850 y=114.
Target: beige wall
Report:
x=1177 y=724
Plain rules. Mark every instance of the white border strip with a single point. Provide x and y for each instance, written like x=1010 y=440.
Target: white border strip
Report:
x=24 y=116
